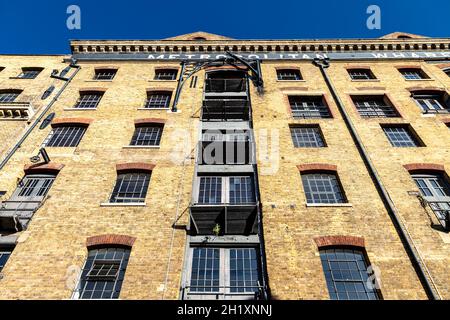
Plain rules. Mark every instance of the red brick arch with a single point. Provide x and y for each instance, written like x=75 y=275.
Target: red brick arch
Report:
x=328 y=241
x=446 y=121
x=424 y=166
x=63 y=121
x=150 y=120
x=50 y=167
x=110 y=239
x=316 y=167
x=96 y=89
x=142 y=166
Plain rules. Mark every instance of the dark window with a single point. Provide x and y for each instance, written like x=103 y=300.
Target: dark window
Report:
x=88 y=100
x=401 y=136
x=225 y=270
x=308 y=107
x=346 y=274
x=307 y=137
x=289 y=74
x=361 y=74
x=103 y=274
x=65 y=136
x=413 y=74
x=4 y=256
x=447 y=71
x=431 y=102
x=2 y=68
x=147 y=135
x=166 y=74
x=374 y=106
x=322 y=188
x=158 y=100
x=105 y=74
x=241 y=190
x=130 y=188
x=210 y=190
x=29 y=73
x=9 y=95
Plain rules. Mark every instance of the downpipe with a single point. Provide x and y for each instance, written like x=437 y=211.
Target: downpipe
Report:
x=323 y=64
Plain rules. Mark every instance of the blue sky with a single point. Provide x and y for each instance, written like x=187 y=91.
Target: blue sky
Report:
x=40 y=26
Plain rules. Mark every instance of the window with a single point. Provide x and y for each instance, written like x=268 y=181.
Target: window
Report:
x=105 y=74
x=147 y=135
x=361 y=74
x=103 y=273
x=229 y=190
x=130 y=188
x=307 y=137
x=29 y=73
x=158 y=100
x=65 y=136
x=447 y=71
x=435 y=189
x=374 y=106
x=33 y=186
x=308 y=107
x=431 y=102
x=7 y=96
x=224 y=271
x=289 y=74
x=402 y=136
x=88 y=100
x=166 y=74
x=413 y=73
x=4 y=256
x=322 y=188
x=346 y=274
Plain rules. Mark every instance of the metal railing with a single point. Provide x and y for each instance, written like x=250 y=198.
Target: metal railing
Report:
x=222 y=292
x=16 y=110
x=441 y=209
x=226 y=85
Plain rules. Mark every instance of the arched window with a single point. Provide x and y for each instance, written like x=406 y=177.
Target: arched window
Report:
x=322 y=187
x=11 y=95
x=346 y=273
x=89 y=99
x=147 y=134
x=131 y=184
x=103 y=272
x=66 y=135
x=158 y=99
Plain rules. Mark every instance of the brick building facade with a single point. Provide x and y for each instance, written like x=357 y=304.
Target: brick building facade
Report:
x=204 y=167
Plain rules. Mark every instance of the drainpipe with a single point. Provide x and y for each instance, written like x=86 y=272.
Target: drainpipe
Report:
x=324 y=63
x=41 y=116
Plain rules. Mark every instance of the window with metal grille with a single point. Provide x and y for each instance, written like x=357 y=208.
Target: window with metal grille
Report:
x=147 y=135
x=431 y=102
x=9 y=95
x=103 y=273
x=65 y=136
x=346 y=274
x=225 y=270
x=130 y=188
x=435 y=189
x=229 y=190
x=166 y=74
x=289 y=74
x=413 y=74
x=361 y=74
x=401 y=136
x=374 y=106
x=307 y=137
x=158 y=100
x=29 y=73
x=309 y=107
x=105 y=74
x=322 y=188
x=89 y=100
x=4 y=256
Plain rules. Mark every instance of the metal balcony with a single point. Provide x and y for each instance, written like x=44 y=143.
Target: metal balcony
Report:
x=16 y=111
x=223 y=293
x=225 y=85
x=225 y=110
x=15 y=215
x=233 y=219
